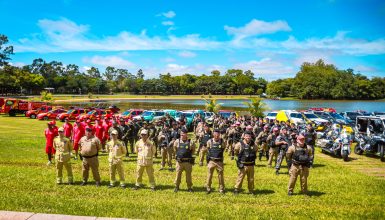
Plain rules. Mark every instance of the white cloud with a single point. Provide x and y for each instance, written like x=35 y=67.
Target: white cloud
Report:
x=169 y=14
x=186 y=54
x=362 y=68
x=169 y=60
x=265 y=66
x=168 y=23
x=113 y=61
x=258 y=27
x=65 y=36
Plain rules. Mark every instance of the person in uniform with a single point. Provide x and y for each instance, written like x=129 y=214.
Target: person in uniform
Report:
x=146 y=152
x=283 y=144
x=215 y=149
x=89 y=147
x=184 y=149
x=76 y=136
x=116 y=152
x=204 y=136
x=67 y=128
x=63 y=148
x=247 y=153
x=125 y=133
x=261 y=140
x=299 y=156
x=164 y=141
x=310 y=138
x=273 y=149
x=50 y=133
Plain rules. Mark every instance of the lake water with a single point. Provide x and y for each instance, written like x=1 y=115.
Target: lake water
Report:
x=238 y=104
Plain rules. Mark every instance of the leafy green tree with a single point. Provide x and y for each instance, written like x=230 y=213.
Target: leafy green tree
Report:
x=212 y=105
x=5 y=51
x=256 y=107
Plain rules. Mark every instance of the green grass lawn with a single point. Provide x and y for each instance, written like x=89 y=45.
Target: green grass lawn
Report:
x=338 y=190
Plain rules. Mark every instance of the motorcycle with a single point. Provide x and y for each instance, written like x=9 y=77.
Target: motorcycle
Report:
x=337 y=144
x=374 y=144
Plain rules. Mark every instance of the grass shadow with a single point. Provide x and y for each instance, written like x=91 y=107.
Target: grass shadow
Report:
x=264 y=192
x=315 y=193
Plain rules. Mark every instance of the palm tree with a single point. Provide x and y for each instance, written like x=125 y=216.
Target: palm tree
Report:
x=256 y=107
x=212 y=105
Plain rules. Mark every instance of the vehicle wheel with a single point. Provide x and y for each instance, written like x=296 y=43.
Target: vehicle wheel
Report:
x=382 y=149
x=45 y=118
x=345 y=156
x=357 y=149
x=322 y=150
x=12 y=113
x=33 y=116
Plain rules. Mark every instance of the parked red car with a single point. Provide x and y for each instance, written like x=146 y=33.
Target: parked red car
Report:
x=70 y=114
x=33 y=113
x=92 y=115
x=51 y=115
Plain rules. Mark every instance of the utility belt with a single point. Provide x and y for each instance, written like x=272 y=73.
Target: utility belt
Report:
x=307 y=164
x=186 y=160
x=97 y=154
x=216 y=159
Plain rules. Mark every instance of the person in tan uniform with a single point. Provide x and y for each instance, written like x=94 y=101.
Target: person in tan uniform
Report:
x=166 y=145
x=204 y=136
x=116 y=151
x=299 y=156
x=89 y=147
x=215 y=149
x=261 y=141
x=247 y=153
x=273 y=149
x=146 y=152
x=63 y=148
x=184 y=149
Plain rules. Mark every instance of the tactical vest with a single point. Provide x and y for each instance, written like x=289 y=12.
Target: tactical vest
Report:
x=206 y=137
x=272 y=142
x=215 y=152
x=309 y=138
x=183 y=151
x=301 y=156
x=174 y=134
x=237 y=136
x=247 y=154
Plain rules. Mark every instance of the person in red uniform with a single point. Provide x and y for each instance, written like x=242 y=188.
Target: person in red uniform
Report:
x=67 y=129
x=78 y=132
x=50 y=133
x=106 y=125
x=98 y=128
x=89 y=125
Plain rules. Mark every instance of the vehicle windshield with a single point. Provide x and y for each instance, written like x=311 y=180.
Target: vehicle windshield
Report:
x=126 y=113
x=337 y=116
x=310 y=116
x=225 y=114
x=272 y=114
x=188 y=115
x=91 y=112
x=147 y=113
x=70 y=111
x=159 y=113
x=296 y=115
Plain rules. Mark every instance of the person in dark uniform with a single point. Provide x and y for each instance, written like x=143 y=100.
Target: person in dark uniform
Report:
x=215 y=149
x=283 y=143
x=203 y=138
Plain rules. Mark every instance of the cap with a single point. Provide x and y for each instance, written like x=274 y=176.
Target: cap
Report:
x=249 y=127
x=184 y=130
x=50 y=123
x=144 y=131
x=88 y=129
x=266 y=126
x=275 y=129
x=237 y=123
x=114 y=132
x=301 y=139
x=61 y=129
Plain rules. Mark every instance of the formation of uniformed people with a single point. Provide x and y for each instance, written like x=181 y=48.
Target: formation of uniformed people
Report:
x=245 y=139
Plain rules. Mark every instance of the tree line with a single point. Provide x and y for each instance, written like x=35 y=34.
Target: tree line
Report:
x=313 y=81
x=324 y=81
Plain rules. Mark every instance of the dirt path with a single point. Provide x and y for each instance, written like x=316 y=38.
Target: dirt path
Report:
x=366 y=164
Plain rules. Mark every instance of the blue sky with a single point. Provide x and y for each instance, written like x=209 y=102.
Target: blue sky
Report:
x=271 y=38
